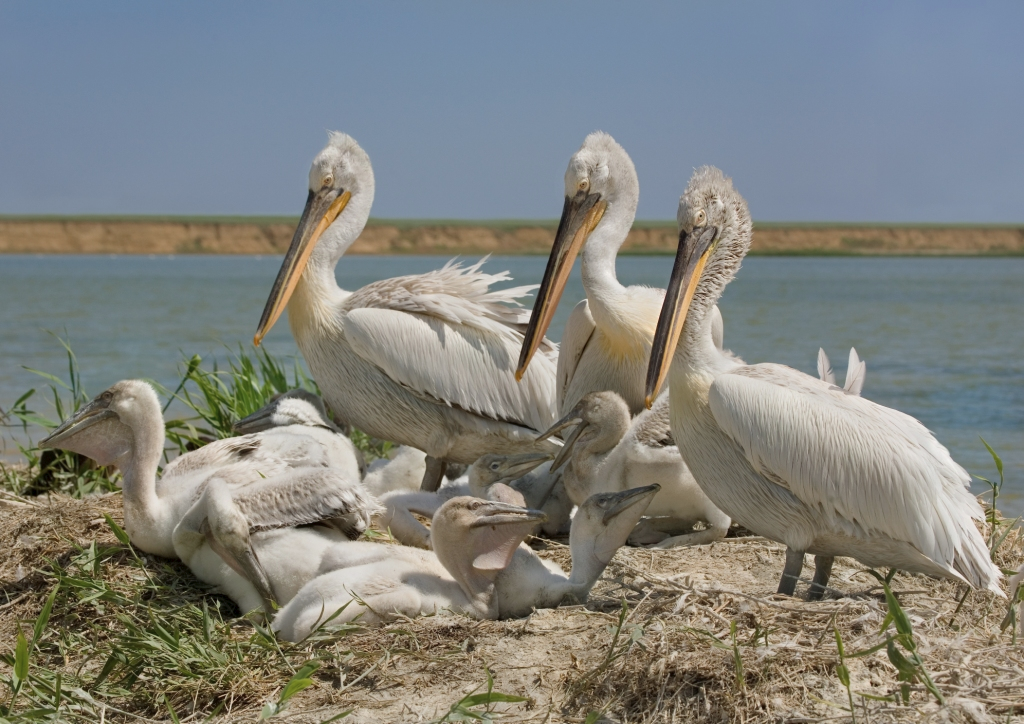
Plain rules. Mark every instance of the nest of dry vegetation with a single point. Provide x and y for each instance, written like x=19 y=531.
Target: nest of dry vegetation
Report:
x=683 y=635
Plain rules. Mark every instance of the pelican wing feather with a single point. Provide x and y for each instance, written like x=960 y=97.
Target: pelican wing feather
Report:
x=458 y=365
x=304 y=496
x=579 y=329
x=871 y=469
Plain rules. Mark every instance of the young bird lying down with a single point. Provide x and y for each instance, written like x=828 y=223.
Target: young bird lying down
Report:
x=473 y=540
x=216 y=496
x=599 y=528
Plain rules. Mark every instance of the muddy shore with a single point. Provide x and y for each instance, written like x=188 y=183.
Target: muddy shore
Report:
x=271 y=236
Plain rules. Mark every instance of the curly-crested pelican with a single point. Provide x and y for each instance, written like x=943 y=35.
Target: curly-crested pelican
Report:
x=607 y=339
x=608 y=452
x=426 y=360
x=473 y=540
x=219 y=493
x=793 y=458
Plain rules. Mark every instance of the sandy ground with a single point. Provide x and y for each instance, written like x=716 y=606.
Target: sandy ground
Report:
x=704 y=638
x=272 y=237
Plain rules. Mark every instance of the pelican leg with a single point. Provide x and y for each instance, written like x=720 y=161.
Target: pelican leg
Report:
x=433 y=475
x=454 y=471
x=822 y=572
x=791 y=573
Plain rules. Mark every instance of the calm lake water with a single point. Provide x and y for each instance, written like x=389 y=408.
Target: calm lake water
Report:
x=942 y=337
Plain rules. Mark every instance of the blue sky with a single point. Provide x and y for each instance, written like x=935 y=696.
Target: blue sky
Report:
x=898 y=111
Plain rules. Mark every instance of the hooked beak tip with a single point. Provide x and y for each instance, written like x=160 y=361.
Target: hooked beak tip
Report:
x=259 y=338
x=648 y=401
x=519 y=374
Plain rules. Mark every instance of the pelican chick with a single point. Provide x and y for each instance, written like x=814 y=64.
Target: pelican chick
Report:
x=219 y=493
x=483 y=475
x=426 y=360
x=792 y=458
x=473 y=540
x=599 y=528
x=607 y=452
x=302 y=407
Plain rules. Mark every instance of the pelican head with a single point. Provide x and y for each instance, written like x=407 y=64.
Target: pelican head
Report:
x=600 y=419
x=340 y=172
x=104 y=429
x=491 y=469
x=295 y=407
x=714 y=234
x=600 y=176
x=601 y=526
x=481 y=533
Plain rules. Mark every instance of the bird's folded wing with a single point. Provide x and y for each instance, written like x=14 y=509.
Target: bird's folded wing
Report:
x=458 y=365
x=876 y=468
x=302 y=497
x=579 y=328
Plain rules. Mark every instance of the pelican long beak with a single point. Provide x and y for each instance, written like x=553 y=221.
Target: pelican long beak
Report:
x=571 y=418
x=262 y=419
x=87 y=416
x=691 y=256
x=496 y=513
x=516 y=466
x=631 y=497
x=580 y=216
x=322 y=208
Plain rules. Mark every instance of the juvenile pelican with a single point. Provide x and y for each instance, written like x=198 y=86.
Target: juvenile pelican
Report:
x=793 y=458
x=607 y=452
x=599 y=528
x=426 y=360
x=607 y=339
x=490 y=470
x=473 y=540
x=302 y=407
x=219 y=493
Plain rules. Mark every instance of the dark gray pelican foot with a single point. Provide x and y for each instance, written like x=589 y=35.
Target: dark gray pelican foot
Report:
x=822 y=572
x=791 y=573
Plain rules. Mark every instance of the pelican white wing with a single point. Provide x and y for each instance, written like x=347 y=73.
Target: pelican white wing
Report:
x=869 y=468
x=579 y=328
x=445 y=337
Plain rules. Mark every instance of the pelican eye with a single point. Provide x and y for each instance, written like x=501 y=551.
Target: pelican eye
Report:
x=495 y=466
x=701 y=218
x=328 y=181
x=584 y=184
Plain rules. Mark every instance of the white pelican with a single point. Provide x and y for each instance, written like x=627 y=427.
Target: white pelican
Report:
x=608 y=452
x=793 y=458
x=473 y=540
x=855 y=371
x=599 y=528
x=426 y=360
x=219 y=493
x=607 y=339
x=489 y=470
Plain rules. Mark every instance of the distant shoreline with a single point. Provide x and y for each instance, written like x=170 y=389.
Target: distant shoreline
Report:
x=271 y=235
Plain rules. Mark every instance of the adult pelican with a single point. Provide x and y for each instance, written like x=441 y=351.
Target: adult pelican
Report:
x=425 y=360
x=791 y=457
x=607 y=339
